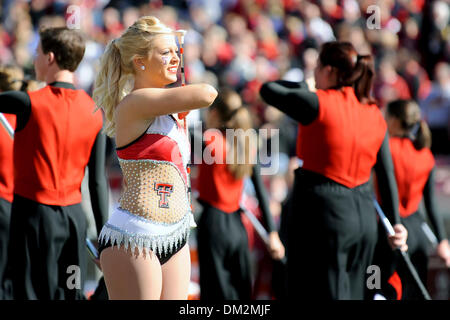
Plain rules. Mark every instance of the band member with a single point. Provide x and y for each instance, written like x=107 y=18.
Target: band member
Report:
x=224 y=257
x=57 y=135
x=143 y=247
x=414 y=164
x=332 y=228
x=10 y=79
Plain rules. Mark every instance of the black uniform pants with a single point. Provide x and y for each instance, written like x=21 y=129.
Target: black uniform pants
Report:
x=418 y=248
x=390 y=262
x=223 y=256
x=47 y=252
x=332 y=232
x=5 y=216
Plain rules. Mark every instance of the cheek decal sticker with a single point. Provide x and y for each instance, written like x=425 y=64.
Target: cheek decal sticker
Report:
x=165 y=60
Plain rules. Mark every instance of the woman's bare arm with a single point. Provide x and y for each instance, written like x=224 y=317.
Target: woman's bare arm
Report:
x=148 y=103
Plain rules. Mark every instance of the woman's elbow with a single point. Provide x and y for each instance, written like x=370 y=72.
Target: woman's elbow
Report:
x=209 y=94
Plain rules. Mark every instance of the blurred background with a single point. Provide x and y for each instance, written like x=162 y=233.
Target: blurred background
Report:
x=244 y=43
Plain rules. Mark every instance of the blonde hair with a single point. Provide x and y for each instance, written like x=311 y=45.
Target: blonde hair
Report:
x=11 y=78
x=233 y=115
x=116 y=72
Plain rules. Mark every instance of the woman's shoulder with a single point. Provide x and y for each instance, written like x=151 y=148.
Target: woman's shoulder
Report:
x=130 y=99
x=429 y=155
x=131 y=104
x=334 y=96
x=123 y=104
x=141 y=96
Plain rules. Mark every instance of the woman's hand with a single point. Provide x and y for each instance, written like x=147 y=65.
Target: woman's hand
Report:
x=399 y=239
x=275 y=246
x=311 y=84
x=443 y=251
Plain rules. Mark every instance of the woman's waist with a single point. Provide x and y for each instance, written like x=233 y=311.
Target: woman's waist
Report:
x=308 y=178
x=145 y=173
x=161 y=204
x=127 y=220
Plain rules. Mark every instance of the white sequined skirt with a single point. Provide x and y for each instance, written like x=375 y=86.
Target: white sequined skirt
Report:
x=132 y=231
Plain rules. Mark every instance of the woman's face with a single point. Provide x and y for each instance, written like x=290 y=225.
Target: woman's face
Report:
x=162 y=63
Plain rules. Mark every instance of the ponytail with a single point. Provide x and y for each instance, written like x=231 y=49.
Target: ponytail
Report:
x=362 y=78
x=108 y=85
x=422 y=138
x=408 y=114
x=244 y=143
x=353 y=70
x=232 y=115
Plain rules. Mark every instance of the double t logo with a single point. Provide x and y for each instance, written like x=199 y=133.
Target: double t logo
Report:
x=163 y=190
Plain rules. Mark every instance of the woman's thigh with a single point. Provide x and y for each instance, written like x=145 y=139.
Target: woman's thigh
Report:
x=131 y=276
x=176 y=275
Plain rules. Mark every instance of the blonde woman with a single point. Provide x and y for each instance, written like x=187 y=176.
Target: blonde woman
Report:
x=143 y=246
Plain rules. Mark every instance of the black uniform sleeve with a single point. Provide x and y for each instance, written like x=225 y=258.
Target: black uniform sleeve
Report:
x=98 y=186
x=292 y=98
x=432 y=208
x=387 y=185
x=263 y=199
x=18 y=103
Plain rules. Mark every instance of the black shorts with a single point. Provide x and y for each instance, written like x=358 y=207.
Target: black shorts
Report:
x=162 y=257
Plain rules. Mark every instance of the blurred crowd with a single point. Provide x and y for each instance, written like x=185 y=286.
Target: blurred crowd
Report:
x=243 y=43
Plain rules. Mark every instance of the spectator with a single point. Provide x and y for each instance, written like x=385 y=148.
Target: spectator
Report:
x=389 y=85
x=436 y=109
